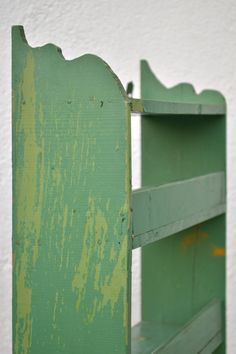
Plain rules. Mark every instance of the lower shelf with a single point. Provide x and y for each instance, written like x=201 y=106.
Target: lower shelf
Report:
x=202 y=334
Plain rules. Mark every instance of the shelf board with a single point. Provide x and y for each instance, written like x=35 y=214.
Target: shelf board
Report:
x=157 y=107
x=147 y=336
x=161 y=211
x=202 y=334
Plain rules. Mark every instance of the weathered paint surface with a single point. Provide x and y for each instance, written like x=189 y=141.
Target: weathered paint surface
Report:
x=219 y=251
x=162 y=211
x=181 y=273
x=194 y=236
x=71 y=213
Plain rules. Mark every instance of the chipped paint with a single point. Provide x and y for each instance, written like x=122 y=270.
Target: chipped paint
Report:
x=54 y=324
x=91 y=315
x=23 y=311
x=63 y=238
x=28 y=215
x=193 y=237
x=108 y=287
x=113 y=254
x=97 y=276
x=71 y=187
x=95 y=225
x=218 y=251
x=117 y=282
x=95 y=232
x=81 y=273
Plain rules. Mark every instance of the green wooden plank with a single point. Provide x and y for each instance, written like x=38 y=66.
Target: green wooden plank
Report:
x=175 y=108
x=170 y=208
x=197 y=333
x=147 y=336
x=181 y=273
x=212 y=344
x=71 y=211
x=202 y=334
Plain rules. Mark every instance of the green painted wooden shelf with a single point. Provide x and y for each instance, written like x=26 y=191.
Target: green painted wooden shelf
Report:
x=76 y=218
x=164 y=338
x=162 y=211
x=152 y=107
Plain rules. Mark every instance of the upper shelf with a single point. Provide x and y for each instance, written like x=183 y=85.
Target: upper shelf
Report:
x=181 y=99
x=175 y=108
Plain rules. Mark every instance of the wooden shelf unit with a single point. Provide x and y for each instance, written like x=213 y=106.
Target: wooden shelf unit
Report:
x=76 y=218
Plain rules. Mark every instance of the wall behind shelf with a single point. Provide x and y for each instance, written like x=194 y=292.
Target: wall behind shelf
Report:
x=191 y=41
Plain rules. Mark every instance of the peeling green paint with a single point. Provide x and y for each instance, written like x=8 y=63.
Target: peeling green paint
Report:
x=110 y=287
x=113 y=286
x=71 y=213
x=27 y=216
x=81 y=273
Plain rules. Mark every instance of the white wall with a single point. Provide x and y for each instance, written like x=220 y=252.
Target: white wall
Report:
x=184 y=40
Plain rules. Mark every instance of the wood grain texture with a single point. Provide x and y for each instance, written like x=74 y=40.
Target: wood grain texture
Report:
x=165 y=210
x=71 y=211
x=181 y=273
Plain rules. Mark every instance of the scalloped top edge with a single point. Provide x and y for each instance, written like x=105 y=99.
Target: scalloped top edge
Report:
x=182 y=92
x=18 y=34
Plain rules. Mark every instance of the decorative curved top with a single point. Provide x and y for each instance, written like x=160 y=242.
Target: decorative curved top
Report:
x=153 y=89
x=71 y=186
x=103 y=81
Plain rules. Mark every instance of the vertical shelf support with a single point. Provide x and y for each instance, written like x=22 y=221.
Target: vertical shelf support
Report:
x=71 y=212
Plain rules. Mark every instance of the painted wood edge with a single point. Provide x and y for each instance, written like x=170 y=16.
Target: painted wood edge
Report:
x=152 y=107
x=183 y=92
x=207 y=324
x=212 y=344
x=170 y=338
x=161 y=211
x=178 y=226
x=147 y=336
x=20 y=40
x=18 y=36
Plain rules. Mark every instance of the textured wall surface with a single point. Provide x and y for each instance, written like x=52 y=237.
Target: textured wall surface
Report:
x=183 y=40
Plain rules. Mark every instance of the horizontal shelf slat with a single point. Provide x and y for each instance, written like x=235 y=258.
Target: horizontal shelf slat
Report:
x=202 y=334
x=175 y=108
x=161 y=211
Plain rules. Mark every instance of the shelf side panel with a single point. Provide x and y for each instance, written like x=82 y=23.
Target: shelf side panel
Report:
x=71 y=211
